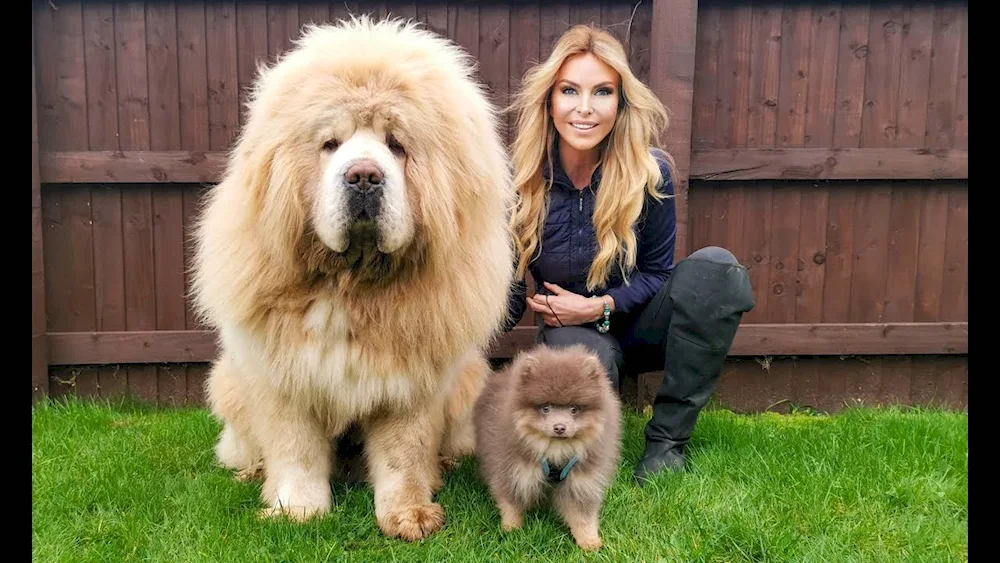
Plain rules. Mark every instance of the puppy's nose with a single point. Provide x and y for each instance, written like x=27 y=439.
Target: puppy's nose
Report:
x=364 y=176
x=559 y=428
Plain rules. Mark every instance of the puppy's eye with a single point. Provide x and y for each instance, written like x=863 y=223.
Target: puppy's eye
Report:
x=395 y=146
x=331 y=145
x=546 y=409
x=573 y=410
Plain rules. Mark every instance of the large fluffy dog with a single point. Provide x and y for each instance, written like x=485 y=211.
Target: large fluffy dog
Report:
x=355 y=260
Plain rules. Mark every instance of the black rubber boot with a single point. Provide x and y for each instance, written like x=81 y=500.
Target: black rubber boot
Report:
x=709 y=293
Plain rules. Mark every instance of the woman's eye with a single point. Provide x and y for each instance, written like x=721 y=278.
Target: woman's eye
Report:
x=567 y=90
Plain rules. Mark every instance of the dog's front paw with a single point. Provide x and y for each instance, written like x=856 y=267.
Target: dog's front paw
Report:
x=252 y=473
x=447 y=463
x=589 y=543
x=414 y=522
x=511 y=521
x=293 y=513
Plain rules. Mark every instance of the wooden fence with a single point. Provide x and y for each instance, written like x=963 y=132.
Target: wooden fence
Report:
x=825 y=144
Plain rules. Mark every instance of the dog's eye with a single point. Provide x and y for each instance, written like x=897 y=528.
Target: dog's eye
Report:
x=394 y=145
x=331 y=145
x=573 y=410
x=546 y=409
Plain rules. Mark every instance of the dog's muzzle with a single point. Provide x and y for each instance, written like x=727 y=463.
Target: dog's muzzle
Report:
x=364 y=181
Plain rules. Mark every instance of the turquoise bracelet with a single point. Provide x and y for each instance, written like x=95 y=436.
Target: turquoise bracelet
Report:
x=604 y=325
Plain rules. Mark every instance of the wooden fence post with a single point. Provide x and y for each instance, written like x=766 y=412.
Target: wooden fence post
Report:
x=39 y=359
x=671 y=69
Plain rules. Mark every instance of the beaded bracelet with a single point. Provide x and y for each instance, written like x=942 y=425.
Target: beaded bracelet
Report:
x=604 y=325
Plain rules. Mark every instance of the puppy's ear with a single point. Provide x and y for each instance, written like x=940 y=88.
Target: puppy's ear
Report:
x=593 y=368
x=525 y=366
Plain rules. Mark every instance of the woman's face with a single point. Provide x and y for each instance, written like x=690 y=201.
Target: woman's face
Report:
x=584 y=101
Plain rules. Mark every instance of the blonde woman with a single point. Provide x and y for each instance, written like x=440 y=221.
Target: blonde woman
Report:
x=595 y=227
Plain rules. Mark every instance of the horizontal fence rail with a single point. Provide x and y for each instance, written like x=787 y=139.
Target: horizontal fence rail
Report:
x=829 y=164
x=128 y=347
x=713 y=164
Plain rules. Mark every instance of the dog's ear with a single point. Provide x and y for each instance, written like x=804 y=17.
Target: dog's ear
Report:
x=525 y=366
x=593 y=368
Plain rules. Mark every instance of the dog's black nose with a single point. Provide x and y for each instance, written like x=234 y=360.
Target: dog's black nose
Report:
x=559 y=428
x=364 y=176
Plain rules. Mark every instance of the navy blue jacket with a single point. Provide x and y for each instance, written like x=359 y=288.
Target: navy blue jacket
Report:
x=569 y=245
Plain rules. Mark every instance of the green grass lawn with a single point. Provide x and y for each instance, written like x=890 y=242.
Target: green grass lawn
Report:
x=131 y=483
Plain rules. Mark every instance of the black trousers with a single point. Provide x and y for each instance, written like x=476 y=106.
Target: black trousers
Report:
x=687 y=330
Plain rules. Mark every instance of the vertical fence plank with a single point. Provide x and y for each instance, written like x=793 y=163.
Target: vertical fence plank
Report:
x=885 y=43
x=193 y=67
x=852 y=66
x=407 y=10
x=223 y=81
x=796 y=25
x=824 y=58
x=282 y=26
x=671 y=70
x=734 y=77
x=954 y=301
x=733 y=96
x=796 y=41
x=310 y=12
x=434 y=16
x=962 y=88
x=194 y=116
x=554 y=21
x=903 y=253
x=615 y=19
x=914 y=77
x=463 y=27
x=585 y=12
x=168 y=200
x=872 y=230
x=765 y=60
x=106 y=202
x=39 y=353
x=819 y=126
x=494 y=55
x=930 y=253
x=251 y=44
x=640 y=39
x=137 y=205
x=839 y=262
x=523 y=53
x=223 y=75
x=871 y=236
x=68 y=260
x=904 y=218
x=705 y=106
x=945 y=56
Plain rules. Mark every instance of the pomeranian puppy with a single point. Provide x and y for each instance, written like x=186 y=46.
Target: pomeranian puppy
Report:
x=548 y=428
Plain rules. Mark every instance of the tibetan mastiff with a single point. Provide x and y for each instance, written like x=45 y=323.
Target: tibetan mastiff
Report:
x=355 y=260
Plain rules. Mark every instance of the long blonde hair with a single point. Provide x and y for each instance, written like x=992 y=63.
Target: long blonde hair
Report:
x=628 y=168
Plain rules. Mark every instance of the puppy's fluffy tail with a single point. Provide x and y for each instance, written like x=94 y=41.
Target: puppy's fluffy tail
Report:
x=460 y=433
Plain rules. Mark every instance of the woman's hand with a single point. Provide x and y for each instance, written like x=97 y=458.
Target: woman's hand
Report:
x=565 y=308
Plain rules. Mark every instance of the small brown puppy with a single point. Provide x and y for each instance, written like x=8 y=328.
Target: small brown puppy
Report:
x=549 y=424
